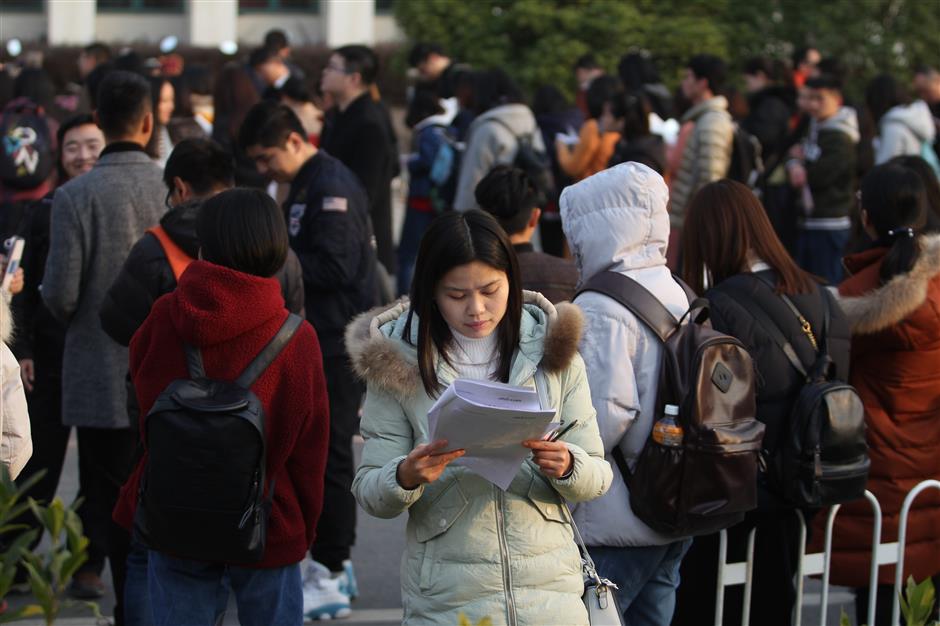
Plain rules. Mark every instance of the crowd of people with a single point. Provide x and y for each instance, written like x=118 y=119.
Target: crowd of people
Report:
x=207 y=296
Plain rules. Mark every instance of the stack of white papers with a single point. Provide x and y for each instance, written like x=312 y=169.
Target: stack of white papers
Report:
x=490 y=421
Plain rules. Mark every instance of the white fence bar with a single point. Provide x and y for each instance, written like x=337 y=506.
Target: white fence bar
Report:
x=902 y=539
x=827 y=558
x=742 y=573
x=875 y=560
x=748 y=578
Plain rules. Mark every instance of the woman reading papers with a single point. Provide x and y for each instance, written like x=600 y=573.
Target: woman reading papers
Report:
x=472 y=547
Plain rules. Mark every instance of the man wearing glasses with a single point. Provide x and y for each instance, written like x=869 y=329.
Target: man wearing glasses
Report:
x=358 y=132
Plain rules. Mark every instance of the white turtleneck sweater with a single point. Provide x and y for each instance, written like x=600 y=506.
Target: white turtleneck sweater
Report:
x=476 y=359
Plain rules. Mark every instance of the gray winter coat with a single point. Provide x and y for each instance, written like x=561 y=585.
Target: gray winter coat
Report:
x=490 y=144
x=96 y=218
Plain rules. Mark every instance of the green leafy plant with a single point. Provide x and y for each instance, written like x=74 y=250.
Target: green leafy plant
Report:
x=50 y=571
x=917 y=603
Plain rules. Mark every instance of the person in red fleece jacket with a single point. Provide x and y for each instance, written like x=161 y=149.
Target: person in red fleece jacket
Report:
x=229 y=307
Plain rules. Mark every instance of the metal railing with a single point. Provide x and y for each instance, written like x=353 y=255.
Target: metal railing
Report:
x=742 y=573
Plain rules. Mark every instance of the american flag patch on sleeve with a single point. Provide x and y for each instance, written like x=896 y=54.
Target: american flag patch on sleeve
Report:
x=334 y=203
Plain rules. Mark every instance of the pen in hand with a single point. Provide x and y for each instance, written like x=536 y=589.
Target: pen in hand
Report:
x=555 y=436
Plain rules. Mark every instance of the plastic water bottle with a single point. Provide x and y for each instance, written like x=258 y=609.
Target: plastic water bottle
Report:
x=666 y=432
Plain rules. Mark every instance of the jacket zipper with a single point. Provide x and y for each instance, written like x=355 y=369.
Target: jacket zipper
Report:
x=504 y=554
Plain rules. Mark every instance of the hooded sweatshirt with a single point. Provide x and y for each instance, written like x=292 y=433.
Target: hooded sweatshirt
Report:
x=617 y=221
x=830 y=155
x=904 y=130
x=207 y=311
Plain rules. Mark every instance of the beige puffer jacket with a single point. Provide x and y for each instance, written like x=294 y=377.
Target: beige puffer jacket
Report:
x=706 y=156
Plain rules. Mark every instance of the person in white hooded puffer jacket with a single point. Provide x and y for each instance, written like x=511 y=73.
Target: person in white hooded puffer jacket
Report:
x=16 y=445
x=616 y=220
x=904 y=127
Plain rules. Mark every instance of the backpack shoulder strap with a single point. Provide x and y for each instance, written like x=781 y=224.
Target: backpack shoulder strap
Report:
x=270 y=351
x=770 y=327
x=194 y=362
x=636 y=298
x=518 y=137
x=177 y=259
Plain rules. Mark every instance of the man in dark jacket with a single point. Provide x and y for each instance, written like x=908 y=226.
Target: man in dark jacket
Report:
x=359 y=133
x=196 y=170
x=823 y=172
x=327 y=213
x=508 y=194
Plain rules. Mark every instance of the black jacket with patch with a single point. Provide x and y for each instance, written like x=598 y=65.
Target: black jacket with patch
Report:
x=327 y=212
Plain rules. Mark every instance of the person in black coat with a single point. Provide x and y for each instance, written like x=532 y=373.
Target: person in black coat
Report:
x=358 y=132
x=196 y=169
x=327 y=212
x=738 y=249
x=770 y=108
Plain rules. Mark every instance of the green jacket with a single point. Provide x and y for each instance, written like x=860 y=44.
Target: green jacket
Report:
x=471 y=547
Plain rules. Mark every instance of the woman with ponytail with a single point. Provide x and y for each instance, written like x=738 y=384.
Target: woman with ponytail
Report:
x=892 y=298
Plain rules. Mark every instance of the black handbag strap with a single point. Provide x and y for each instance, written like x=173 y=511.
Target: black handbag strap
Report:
x=773 y=331
x=819 y=343
x=259 y=364
x=637 y=299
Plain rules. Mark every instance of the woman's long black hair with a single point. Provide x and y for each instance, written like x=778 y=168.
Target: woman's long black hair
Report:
x=895 y=201
x=452 y=240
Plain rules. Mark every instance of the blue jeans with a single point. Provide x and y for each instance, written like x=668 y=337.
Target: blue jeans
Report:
x=820 y=252
x=187 y=593
x=137 y=610
x=647 y=578
x=416 y=222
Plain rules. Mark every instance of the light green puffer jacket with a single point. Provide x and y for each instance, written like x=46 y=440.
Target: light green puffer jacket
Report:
x=471 y=547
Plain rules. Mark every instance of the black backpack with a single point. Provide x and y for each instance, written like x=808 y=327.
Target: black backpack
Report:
x=534 y=162
x=709 y=481
x=202 y=492
x=747 y=163
x=821 y=457
x=27 y=156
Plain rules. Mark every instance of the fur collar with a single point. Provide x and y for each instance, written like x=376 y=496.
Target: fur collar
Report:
x=894 y=301
x=383 y=361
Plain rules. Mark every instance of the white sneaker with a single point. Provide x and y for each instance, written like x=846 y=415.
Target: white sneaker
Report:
x=347 y=580
x=323 y=596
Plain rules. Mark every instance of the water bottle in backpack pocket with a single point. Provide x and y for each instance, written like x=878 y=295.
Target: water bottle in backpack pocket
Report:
x=697 y=473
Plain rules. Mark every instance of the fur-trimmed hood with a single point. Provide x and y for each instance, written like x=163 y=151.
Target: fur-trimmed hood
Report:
x=894 y=301
x=550 y=335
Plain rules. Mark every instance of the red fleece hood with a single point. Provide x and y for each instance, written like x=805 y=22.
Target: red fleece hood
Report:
x=214 y=304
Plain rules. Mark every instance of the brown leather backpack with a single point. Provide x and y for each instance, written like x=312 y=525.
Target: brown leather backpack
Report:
x=709 y=480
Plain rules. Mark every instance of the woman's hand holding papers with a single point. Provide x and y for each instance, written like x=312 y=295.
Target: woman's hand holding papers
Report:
x=552 y=457
x=425 y=464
